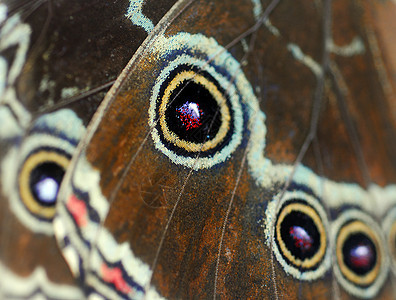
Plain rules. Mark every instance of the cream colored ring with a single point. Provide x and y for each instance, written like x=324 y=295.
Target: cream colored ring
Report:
x=24 y=180
x=309 y=211
x=217 y=95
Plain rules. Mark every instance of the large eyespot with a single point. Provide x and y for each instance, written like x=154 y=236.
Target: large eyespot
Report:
x=300 y=240
x=359 y=252
x=195 y=110
x=32 y=171
x=194 y=113
x=39 y=181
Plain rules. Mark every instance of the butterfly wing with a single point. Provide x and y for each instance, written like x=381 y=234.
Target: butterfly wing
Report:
x=242 y=161
x=57 y=61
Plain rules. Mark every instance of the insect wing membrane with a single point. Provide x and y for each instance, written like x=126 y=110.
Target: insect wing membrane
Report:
x=199 y=194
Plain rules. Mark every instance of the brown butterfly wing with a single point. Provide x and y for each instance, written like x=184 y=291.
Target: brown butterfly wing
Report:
x=287 y=194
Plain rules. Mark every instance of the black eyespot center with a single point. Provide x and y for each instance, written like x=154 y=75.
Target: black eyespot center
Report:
x=359 y=253
x=44 y=183
x=40 y=177
x=193 y=114
x=300 y=235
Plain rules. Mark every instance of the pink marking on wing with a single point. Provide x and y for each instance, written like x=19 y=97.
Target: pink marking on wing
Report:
x=78 y=209
x=114 y=276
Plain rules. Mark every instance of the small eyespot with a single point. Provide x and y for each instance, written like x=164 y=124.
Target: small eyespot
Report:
x=39 y=181
x=32 y=170
x=362 y=263
x=357 y=253
x=300 y=235
x=194 y=114
x=297 y=224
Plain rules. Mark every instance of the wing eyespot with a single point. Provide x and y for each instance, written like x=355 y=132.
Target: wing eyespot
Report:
x=32 y=171
x=194 y=114
x=300 y=226
x=39 y=181
x=301 y=235
x=359 y=249
x=197 y=107
x=358 y=256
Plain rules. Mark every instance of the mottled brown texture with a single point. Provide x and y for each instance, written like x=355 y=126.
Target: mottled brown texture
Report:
x=187 y=259
x=356 y=113
x=140 y=209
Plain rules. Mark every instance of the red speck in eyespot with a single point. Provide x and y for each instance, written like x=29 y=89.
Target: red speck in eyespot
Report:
x=301 y=238
x=190 y=115
x=361 y=256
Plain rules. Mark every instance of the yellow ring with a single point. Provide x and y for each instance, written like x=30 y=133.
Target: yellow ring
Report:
x=310 y=262
x=392 y=240
x=353 y=228
x=24 y=180
x=217 y=95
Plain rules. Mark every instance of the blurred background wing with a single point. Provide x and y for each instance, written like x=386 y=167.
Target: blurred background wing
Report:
x=246 y=151
x=57 y=61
